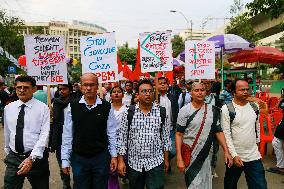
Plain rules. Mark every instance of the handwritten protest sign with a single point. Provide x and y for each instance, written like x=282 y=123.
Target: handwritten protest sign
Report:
x=156 y=52
x=98 y=55
x=46 y=59
x=199 y=60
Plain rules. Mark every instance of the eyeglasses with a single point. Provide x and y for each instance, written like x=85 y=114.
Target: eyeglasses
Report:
x=23 y=87
x=145 y=91
x=89 y=84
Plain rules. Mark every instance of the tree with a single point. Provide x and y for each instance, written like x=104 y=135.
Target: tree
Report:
x=127 y=54
x=11 y=39
x=237 y=7
x=177 y=45
x=272 y=8
x=241 y=26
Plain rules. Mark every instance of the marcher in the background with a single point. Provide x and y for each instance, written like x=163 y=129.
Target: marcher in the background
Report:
x=40 y=94
x=174 y=89
x=185 y=97
x=107 y=87
x=128 y=93
x=56 y=130
x=278 y=143
x=226 y=95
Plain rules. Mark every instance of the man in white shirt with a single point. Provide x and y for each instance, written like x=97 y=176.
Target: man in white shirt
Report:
x=185 y=97
x=128 y=93
x=26 y=131
x=241 y=130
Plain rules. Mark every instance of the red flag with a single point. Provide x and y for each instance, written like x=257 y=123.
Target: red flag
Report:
x=127 y=73
x=137 y=70
x=170 y=76
x=119 y=64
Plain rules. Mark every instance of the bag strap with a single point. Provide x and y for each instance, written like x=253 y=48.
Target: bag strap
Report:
x=200 y=129
x=130 y=114
x=256 y=110
x=183 y=98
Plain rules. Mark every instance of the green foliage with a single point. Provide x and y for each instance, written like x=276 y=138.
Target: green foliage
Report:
x=272 y=8
x=237 y=7
x=177 y=45
x=11 y=39
x=241 y=26
x=127 y=54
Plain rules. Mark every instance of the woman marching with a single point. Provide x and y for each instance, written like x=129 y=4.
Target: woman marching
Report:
x=197 y=124
x=116 y=94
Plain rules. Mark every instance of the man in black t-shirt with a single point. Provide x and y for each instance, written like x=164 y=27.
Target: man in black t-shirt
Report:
x=4 y=99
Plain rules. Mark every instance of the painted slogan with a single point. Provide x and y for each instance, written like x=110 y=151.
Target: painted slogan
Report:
x=98 y=55
x=156 y=52
x=46 y=59
x=199 y=60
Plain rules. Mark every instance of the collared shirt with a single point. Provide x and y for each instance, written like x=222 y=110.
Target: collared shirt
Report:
x=240 y=135
x=127 y=99
x=187 y=99
x=146 y=142
x=165 y=102
x=36 y=126
x=67 y=135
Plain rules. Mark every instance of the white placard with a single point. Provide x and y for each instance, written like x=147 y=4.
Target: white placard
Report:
x=199 y=60
x=98 y=55
x=156 y=51
x=45 y=56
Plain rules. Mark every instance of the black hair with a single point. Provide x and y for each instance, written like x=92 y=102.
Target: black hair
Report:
x=145 y=81
x=69 y=85
x=26 y=78
x=234 y=83
x=161 y=78
x=115 y=88
x=129 y=82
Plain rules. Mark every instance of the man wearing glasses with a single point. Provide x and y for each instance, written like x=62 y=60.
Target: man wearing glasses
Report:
x=89 y=134
x=26 y=131
x=146 y=140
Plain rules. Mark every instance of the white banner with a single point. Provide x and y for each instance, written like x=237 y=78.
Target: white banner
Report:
x=46 y=59
x=98 y=55
x=156 y=51
x=199 y=60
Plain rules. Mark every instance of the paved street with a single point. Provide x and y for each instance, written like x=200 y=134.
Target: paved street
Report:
x=174 y=181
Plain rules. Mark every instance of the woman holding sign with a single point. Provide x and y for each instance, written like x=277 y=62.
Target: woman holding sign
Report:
x=197 y=124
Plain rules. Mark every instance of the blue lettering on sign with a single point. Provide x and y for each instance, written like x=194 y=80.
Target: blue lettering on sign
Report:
x=89 y=52
x=95 y=66
x=91 y=41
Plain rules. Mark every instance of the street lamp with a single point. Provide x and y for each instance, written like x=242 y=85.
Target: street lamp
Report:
x=187 y=22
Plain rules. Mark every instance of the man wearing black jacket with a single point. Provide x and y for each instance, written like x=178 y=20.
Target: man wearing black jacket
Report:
x=59 y=105
x=168 y=101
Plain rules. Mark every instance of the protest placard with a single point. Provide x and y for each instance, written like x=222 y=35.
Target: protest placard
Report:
x=156 y=51
x=46 y=59
x=98 y=55
x=199 y=60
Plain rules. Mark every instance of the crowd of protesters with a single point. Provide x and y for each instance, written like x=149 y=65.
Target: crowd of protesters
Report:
x=129 y=133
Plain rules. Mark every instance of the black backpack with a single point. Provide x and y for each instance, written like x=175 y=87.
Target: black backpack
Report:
x=232 y=113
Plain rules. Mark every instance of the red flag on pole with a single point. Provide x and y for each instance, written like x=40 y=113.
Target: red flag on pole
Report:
x=119 y=65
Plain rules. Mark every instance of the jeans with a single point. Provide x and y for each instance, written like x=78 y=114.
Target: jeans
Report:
x=154 y=178
x=91 y=172
x=173 y=152
x=38 y=176
x=254 y=173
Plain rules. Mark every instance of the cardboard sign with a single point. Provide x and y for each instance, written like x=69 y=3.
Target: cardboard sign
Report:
x=156 y=52
x=98 y=55
x=199 y=60
x=46 y=59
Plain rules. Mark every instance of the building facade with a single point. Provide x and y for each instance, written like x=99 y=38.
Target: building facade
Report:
x=71 y=32
x=194 y=34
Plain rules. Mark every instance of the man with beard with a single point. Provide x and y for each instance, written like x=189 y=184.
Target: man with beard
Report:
x=59 y=104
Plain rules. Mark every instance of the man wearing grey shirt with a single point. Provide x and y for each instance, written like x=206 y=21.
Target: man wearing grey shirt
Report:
x=26 y=131
x=89 y=134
